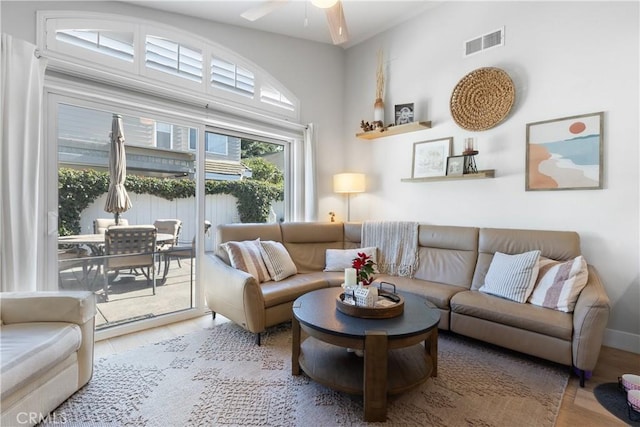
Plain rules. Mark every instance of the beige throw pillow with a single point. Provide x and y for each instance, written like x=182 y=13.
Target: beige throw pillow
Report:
x=277 y=259
x=512 y=276
x=559 y=283
x=246 y=256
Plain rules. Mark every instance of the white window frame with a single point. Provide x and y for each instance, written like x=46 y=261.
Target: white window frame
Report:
x=75 y=60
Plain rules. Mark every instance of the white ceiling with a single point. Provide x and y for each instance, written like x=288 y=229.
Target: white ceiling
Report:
x=364 y=19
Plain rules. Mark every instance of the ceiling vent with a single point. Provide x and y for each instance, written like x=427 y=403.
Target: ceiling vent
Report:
x=486 y=41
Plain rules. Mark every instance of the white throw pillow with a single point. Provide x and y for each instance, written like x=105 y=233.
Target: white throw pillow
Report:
x=512 y=276
x=560 y=283
x=246 y=256
x=339 y=259
x=277 y=259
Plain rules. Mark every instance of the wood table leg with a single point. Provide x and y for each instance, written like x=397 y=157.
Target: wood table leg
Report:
x=295 y=346
x=375 y=376
x=431 y=348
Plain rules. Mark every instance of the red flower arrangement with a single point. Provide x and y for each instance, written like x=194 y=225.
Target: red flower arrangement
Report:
x=364 y=268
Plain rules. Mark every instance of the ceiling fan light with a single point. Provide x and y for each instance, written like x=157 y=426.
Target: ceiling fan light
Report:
x=324 y=4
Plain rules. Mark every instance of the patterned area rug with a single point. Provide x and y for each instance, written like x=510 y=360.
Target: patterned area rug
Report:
x=219 y=377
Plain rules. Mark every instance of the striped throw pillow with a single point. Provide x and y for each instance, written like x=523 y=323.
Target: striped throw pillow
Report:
x=559 y=283
x=277 y=260
x=246 y=256
x=512 y=276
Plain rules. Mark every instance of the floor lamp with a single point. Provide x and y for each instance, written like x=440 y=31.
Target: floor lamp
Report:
x=348 y=183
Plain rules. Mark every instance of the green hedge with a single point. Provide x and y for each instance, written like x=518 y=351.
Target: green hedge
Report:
x=77 y=189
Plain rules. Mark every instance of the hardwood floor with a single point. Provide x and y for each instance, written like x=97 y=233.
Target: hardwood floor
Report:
x=579 y=406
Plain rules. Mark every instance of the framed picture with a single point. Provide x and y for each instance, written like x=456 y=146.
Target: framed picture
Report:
x=565 y=154
x=404 y=114
x=430 y=157
x=455 y=165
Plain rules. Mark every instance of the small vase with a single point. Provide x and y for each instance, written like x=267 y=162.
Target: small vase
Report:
x=378 y=111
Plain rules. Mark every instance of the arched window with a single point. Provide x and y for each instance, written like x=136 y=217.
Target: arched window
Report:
x=121 y=49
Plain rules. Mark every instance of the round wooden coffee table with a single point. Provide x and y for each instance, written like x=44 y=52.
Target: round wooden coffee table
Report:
x=394 y=358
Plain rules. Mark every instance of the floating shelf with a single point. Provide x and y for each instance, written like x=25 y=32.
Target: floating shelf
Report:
x=490 y=173
x=394 y=130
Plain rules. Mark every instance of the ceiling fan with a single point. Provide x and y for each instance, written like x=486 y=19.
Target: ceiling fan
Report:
x=333 y=10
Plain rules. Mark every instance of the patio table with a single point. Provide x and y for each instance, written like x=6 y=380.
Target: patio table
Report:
x=95 y=242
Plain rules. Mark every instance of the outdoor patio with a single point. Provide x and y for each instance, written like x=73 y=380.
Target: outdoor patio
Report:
x=130 y=295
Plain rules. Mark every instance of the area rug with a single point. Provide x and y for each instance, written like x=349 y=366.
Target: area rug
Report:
x=219 y=377
x=614 y=400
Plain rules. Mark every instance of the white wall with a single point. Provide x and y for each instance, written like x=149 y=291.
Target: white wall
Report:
x=565 y=59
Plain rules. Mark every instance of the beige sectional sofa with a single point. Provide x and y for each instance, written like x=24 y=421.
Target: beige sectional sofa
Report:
x=46 y=352
x=452 y=264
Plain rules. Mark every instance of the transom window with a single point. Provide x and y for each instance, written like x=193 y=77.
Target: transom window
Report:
x=111 y=46
x=118 y=45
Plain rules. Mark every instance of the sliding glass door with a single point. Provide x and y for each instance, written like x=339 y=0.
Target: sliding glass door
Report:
x=132 y=279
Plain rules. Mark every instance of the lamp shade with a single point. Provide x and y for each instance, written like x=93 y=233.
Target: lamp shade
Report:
x=324 y=4
x=348 y=183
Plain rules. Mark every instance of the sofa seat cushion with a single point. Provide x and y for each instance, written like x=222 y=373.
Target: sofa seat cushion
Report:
x=31 y=349
x=438 y=294
x=287 y=290
x=523 y=316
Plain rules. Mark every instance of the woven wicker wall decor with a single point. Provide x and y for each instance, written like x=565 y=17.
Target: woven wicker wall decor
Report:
x=482 y=99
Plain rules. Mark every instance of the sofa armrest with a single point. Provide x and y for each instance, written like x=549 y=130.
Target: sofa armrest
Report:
x=234 y=294
x=77 y=307
x=63 y=306
x=590 y=318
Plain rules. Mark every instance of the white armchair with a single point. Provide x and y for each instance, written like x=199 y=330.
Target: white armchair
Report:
x=46 y=351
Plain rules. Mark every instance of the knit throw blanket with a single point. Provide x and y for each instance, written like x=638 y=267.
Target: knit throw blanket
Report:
x=397 y=243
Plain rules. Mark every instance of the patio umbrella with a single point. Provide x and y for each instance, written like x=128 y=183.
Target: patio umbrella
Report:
x=117 y=198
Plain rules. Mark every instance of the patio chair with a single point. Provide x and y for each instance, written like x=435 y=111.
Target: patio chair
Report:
x=168 y=226
x=130 y=247
x=178 y=252
x=70 y=260
x=101 y=224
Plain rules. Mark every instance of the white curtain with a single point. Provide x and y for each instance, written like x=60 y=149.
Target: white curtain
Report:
x=22 y=234
x=310 y=186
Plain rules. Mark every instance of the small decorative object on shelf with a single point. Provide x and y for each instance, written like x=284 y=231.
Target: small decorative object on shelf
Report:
x=469 y=154
x=378 y=106
x=332 y=215
x=390 y=129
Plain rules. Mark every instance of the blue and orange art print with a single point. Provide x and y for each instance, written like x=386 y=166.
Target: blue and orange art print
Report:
x=565 y=154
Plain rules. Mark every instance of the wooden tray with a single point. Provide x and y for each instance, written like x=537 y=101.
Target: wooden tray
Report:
x=371 y=312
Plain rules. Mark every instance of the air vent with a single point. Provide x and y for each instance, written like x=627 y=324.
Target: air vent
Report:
x=486 y=41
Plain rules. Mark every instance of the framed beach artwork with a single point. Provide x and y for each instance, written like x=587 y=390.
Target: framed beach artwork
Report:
x=565 y=154
x=430 y=157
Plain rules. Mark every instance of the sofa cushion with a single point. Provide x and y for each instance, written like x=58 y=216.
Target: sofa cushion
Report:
x=559 y=283
x=287 y=290
x=512 y=276
x=339 y=259
x=438 y=294
x=277 y=260
x=522 y=316
x=307 y=243
x=31 y=349
x=246 y=256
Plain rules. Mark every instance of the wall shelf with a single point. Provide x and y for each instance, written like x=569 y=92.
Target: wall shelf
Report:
x=489 y=173
x=394 y=130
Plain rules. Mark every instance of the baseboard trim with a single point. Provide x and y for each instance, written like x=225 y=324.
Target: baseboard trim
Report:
x=622 y=340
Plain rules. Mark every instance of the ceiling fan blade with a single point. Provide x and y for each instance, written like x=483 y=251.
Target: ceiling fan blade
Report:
x=264 y=9
x=337 y=24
